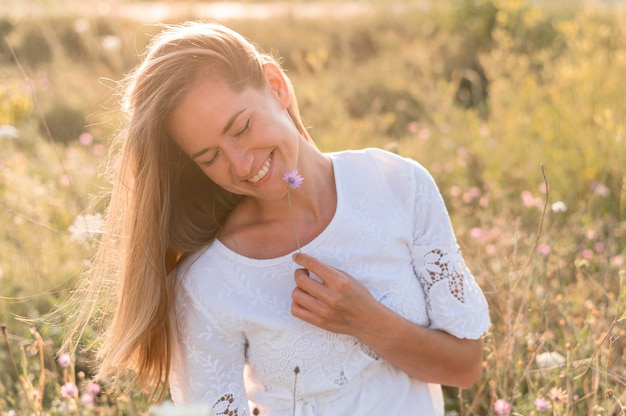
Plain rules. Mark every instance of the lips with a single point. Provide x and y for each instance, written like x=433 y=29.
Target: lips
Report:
x=263 y=171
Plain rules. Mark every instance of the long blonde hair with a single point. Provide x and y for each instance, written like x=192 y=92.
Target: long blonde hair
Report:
x=162 y=205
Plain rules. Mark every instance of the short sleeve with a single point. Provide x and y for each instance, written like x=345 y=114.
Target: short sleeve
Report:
x=454 y=301
x=208 y=359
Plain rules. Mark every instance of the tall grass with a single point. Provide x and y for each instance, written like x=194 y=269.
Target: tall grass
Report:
x=518 y=111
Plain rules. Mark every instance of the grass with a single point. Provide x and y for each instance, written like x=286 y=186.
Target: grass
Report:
x=518 y=112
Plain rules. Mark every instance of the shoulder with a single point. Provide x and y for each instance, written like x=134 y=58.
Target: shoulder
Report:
x=373 y=163
x=195 y=269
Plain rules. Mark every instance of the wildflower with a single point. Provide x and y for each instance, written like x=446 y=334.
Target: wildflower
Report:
x=542 y=404
x=471 y=194
x=293 y=179
x=424 y=134
x=413 y=126
x=528 y=199
x=64 y=360
x=85 y=139
x=587 y=254
x=86 y=227
x=600 y=189
x=558 y=395
x=93 y=388
x=476 y=233
x=543 y=249
x=8 y=132
x=502 y=407
x=69 y=390
x=559 y=206
x=549 y=359
x=87 y=398
x=111 y=43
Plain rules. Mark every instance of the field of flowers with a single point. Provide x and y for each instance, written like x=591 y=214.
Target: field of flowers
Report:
x=519 y=112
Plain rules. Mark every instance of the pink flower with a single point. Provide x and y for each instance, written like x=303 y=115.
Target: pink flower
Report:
x=85 y=139
x=293 y=179
x=600 y=189
x=456 y=191
x=64 y=360
x=543 y=249
x=528 y=199
x=93 y=388
x=476 y=233
x=69 y=390
x=471 y=194
x=542 y=404
x=87 y=398
x=502 y=407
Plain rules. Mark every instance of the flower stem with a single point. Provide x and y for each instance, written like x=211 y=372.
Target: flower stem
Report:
x=293 y=220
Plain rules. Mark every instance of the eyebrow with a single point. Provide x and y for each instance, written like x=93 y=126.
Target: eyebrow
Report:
x=227 y=127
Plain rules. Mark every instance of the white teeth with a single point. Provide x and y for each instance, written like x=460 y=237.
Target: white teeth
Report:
x=261 y=173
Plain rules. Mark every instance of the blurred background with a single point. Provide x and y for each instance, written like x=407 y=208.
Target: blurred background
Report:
x=516 y=107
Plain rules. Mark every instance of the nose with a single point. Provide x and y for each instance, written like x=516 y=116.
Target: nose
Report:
x=240 y=158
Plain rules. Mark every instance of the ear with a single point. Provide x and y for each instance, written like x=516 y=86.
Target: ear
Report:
x=278 y=83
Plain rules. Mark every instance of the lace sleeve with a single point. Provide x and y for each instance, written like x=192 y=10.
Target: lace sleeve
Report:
x=454 y=301
x=208 y=360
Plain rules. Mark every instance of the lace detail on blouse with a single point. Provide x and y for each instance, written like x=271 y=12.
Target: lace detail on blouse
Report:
x=274 y=362
x=223 y=404
x=440 y=266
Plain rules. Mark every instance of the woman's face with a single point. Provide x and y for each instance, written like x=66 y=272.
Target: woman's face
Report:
x=243 y=141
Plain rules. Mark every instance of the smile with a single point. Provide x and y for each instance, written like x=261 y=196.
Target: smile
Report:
x=263 y=171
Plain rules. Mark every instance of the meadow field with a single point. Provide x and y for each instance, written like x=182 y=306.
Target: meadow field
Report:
x=517 y=108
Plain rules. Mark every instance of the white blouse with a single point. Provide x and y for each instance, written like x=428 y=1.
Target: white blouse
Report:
x=240 y=349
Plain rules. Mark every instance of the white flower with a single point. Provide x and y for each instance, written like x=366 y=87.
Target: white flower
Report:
x=168 y=409
x=86 y=227
x=549 y=359
x=8 y=132
x=559 y=206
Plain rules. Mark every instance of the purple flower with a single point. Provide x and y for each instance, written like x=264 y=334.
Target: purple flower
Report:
x=69 y=390
x=293 y=179
x=502 y=407
x=93 y=388
x=64 y=360
x=542 y=404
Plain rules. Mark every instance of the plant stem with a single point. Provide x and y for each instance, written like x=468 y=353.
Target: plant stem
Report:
x=293 y=220
x=5 y=334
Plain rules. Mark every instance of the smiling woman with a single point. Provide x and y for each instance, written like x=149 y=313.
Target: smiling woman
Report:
x=367 y=311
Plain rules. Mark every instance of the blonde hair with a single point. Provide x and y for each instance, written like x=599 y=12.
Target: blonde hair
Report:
x=162 y=205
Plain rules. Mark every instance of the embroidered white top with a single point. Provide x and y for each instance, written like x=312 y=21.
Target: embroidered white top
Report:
x=238 y=345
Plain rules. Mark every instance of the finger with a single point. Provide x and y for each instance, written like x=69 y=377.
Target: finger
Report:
x=305 y=306
x=319 y=268
x=304 y=314
x=312 y=287
x=304 y=280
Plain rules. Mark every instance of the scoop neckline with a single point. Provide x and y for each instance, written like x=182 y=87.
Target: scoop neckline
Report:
x=305 y=248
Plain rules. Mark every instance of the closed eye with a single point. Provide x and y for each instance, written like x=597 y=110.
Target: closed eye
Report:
x=212 y=160
x=245 y=128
